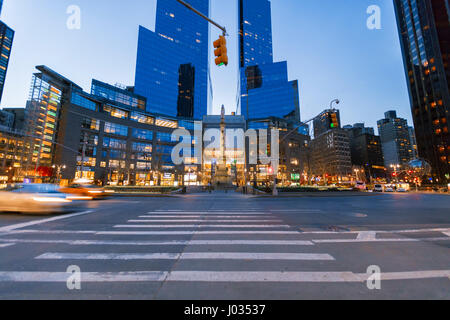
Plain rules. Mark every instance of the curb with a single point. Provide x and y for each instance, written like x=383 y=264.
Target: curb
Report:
x=141 y=195
x=319 y=195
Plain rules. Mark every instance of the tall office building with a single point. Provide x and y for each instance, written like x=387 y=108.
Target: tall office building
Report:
x=366 y=150
x=424 y=27
x=395 y=140
x=265 y=90
x=174 y=60
x=49 y=91
x=6 y=41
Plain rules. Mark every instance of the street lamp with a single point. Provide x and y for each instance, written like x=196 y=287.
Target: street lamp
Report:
x=337 y=101
x=59 y=168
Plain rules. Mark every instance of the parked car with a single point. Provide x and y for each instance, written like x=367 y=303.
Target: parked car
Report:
x=402 y=190
x=84 y=192
x=378 y=188
x=34 y=198
x=389 y=189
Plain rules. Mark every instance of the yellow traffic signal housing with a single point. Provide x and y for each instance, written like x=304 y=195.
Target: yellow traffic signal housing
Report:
x=334 y=122
x=221 y=51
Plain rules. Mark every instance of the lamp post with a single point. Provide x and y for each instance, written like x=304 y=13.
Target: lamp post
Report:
x=59 y=168
x=337 y=101
x=357 y=174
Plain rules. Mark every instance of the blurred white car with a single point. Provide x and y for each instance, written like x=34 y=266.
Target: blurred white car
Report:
x=378 y=188
x=389 y=189
x=402 y=190
x=34 y=198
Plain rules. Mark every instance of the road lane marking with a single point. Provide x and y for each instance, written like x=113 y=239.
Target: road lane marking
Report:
x=250 y=210
x=295 y=210
x=143 y=233
x=33 y=223
x=175 y=233
x=447 y=233
x=364 y=240
x=200 y=226
x=153 y=276
x=202 y=221
x=205 y=213
x=4 y=245
x=232 y=277
x=167 y=243
x=200 y=232
x=275 y=277
x=209 y=217
x=247 y=210
x=187 y=256
x=50 y=232
x=413 y=275
x=367 y=235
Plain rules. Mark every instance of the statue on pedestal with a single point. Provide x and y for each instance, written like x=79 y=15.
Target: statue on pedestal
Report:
x=222 y=178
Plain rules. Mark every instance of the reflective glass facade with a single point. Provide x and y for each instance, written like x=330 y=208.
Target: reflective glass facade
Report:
x=43 y=112
x=424 y=27
x=117 y=95
x=255 y=34
x=264 y=85
x=173 y=62
x=6 y=41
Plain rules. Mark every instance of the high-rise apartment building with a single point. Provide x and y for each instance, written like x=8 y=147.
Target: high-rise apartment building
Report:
x=395 y=140
x=173 y=62
x=424 y=27
x=265 y=90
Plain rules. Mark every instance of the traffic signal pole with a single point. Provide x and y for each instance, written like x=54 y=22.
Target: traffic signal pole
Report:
x=187 y=5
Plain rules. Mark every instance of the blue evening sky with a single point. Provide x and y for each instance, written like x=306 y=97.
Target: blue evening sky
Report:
x=327 y=45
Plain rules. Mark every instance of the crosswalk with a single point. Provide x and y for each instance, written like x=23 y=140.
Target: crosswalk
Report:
x=190 y=246
x=238 y=239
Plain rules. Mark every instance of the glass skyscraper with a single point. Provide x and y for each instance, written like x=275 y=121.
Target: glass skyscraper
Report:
x=173 y=62
x=265 y=90
x=424 y=27
x=6 y=41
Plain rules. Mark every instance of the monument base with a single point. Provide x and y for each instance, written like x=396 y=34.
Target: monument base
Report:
x=222 y=180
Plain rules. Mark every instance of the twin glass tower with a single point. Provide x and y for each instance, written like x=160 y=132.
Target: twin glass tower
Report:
x=172 y=69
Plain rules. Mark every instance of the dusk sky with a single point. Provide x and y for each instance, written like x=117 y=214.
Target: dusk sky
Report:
x=327 y=44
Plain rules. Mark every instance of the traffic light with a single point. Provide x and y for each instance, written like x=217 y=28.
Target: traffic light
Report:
x=334 y=122
x=270 y=171
x=221 y=51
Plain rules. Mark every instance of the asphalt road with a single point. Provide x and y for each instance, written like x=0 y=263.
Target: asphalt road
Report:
x=228 y=246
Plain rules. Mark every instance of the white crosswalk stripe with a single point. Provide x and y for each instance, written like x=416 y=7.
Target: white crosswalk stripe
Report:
x=206 y=217
x=4 y=245
x=198 y=221
x=201 y=226
x=185 y=256
x=166 y=243
x=200 y=232
x=229 y=277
